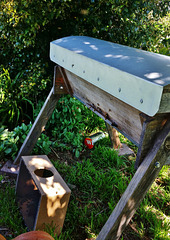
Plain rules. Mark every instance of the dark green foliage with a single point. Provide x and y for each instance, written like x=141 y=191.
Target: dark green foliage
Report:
x=27 y=27
x=133 y=23
x=11 y=141
x=13 y=98
x=18 y=95
x=66 y=128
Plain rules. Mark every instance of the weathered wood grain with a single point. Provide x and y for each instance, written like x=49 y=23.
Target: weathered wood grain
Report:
x=151 y=129
x=114 y=137
x=38 y=125
x=60 y=83
x=167 y=148
x=136 y=190
x=124 y=117
x=165 y=100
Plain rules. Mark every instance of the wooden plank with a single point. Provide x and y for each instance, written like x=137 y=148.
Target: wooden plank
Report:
x=151 y=129
x=167 y=148
x=114 y=137
x=38 y=125
x=137 y=188
x=121 y=148
x=60 y=82
x=122 y=116
x=165 y=100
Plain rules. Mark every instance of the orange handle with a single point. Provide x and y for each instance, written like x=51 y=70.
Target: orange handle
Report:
x=2 y=238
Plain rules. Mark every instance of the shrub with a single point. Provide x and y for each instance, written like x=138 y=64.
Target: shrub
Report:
x=27 y=27
x=18 y=95
x=13 y=100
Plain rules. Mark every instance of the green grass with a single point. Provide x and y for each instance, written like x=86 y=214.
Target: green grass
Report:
x=10 y=217
x=98 y=180
x=155 y=208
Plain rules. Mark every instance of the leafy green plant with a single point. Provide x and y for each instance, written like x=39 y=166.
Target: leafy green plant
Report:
x=11 y=141
x=69 y=122
x=43 y=145
x=13 y=100
x=25 y=51
x=18 y=95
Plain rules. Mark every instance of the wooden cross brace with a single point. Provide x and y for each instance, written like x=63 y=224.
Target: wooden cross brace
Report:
x=152 y=137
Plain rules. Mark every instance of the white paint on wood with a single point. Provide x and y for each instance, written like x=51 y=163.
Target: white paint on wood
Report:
x=126 y=73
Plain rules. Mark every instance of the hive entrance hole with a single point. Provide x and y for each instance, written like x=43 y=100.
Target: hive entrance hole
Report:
x=44 y=173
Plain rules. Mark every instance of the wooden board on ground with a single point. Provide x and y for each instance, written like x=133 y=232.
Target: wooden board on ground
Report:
x=10 y=169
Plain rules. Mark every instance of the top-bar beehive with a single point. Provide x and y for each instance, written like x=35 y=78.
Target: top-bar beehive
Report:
x=136 y=77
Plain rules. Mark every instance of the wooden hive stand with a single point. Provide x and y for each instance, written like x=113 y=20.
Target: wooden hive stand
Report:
x=130 y=90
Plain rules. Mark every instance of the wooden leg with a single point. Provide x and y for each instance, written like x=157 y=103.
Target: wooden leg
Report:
x=152 y=126
x=138 y=187
x=114 y=137
x=38 y=125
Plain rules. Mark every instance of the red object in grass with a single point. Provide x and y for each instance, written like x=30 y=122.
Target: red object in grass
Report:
x=90 y=141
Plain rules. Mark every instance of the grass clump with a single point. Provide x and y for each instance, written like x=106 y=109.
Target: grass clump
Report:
x=10 y=218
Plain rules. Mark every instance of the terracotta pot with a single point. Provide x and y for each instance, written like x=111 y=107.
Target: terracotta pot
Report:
x=2 y=238
x=34 y=235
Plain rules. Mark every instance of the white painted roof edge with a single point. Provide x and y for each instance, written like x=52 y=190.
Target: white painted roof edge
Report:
x=135 y=91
